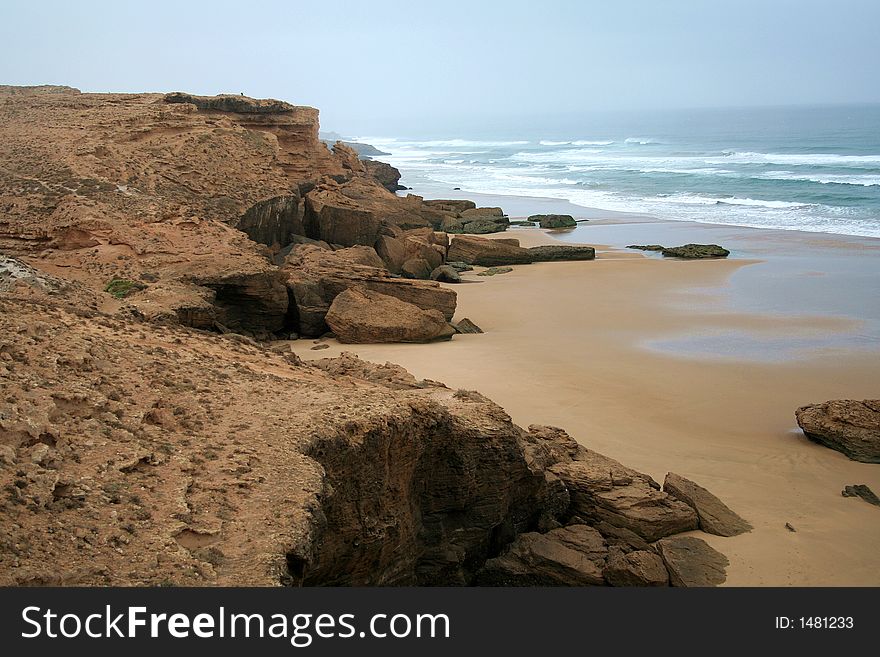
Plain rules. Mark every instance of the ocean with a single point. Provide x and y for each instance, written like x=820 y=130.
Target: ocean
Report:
x=812 y=169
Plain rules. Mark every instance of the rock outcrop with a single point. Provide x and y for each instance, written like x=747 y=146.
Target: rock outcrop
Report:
x=863 y=491
x=846 y=425
x=555 y=252
x=553 y=220
x=486 y=252
x=691 y=562
x=315 y=277
x=360 y=315
x=385 y=174
x=695 y=251
x=138 y=450
x=715 y=517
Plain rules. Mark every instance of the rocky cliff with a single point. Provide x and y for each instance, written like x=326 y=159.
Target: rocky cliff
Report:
x=146 y=438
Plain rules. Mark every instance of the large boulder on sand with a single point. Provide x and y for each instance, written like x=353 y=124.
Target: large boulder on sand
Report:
x=636 y=568
x=602 y=489
x=554 y=220
x=554 y=252
x=846 y=425
x=714 y=515
x=446 y=274
x=486 y=252
x=362 y=316
x=473 y=213
x=568 y=556
x=692 y=562
x=695 y=251
x=316 y=276
x=482 y=227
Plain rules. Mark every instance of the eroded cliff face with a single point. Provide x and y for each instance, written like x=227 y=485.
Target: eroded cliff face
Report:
x=137 y=454
x=145 y=439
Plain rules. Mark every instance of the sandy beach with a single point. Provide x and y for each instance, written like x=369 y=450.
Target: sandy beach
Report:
x=694 y=367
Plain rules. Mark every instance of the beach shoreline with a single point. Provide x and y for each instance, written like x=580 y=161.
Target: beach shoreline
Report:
x=575 y=344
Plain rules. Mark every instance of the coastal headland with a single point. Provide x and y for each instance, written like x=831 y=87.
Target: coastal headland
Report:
x=181 y=276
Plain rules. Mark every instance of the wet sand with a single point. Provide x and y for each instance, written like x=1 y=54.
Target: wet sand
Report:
x=585 y=346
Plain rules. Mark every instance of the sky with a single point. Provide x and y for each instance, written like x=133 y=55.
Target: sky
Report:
x=371 y=66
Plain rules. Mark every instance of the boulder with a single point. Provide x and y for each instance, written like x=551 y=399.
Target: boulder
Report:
x=473 y=213
x=492 y=271
x=695 y=251
x=347 y=226
x=392 y=252
x=486 y=252
x=846 y=425
x=451 y=224
x=416 y=268
x=467 y=326
x=452 y=205
x=561 y=252
x=553 y=220
x=482 y=227
x=715 y=517
x=360 y=316
x=385 y=174
x=568 y=556
x=445 y=274
x=602 y=489
x=858 y=490
x=637 y=568
x=361 y=255
x=316 y=276
x=420 y=244
x=691 y=562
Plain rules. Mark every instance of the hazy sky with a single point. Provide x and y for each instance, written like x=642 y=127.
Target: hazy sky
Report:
x=367 y=65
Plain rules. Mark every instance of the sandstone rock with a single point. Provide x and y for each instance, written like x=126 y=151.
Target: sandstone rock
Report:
x=482 y=227
x=347 y=226
x=467 y=326
x=363 y=316
x=692 y=562
x=416 y=268
x=315 y=277
x=231 y=103
x=453 y=225
x=604 y=490
x=452 y=205
x=392 y=252
x=511 y=241
x=715 y=517
x=553 y=220
x=646 y=247
x=473 y=213
x=637 y=568
x=846 y=425
x=492 y=271
x=273 y=221
x=486 y=252
x=385 y=174
x=561 y=252
x=861 y=490
x=459 y=266
x=445 y=274
x=568 y=556
x=361 y=255
x=421 y=246
x=695 y=251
